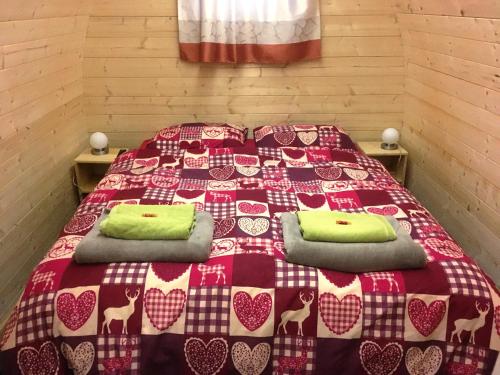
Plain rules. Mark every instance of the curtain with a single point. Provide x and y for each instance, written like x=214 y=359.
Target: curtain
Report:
x=249 y=31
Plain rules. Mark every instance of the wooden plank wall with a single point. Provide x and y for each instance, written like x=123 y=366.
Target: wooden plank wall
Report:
x=452 y=118
x=135 y=83
x=41 y=129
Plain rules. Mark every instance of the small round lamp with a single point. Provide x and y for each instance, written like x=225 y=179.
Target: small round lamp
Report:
x=390 y=138
x=99 y=143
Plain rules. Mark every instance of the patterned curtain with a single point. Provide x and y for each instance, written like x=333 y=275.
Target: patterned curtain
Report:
x=249 y=31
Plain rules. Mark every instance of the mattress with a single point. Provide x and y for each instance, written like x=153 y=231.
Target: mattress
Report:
x=246 y=310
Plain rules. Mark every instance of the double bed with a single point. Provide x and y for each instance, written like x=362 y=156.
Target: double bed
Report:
x=246 y=310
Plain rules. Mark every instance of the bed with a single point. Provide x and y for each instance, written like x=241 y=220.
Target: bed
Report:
x=246 y=310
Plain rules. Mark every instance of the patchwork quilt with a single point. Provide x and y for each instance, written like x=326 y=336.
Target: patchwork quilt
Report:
x=246 y=310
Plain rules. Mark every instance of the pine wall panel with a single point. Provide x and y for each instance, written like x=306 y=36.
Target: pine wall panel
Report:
x=41 y=129
x=135 y=83
x=452 y=118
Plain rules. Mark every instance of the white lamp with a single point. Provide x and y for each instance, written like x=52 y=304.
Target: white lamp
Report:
x=390 y=138
x=99 y=143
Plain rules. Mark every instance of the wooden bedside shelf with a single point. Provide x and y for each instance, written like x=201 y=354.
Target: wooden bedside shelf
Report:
x=394 y=160
x=90 y=169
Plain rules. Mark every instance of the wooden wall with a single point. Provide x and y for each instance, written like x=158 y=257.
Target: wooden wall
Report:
x=135 y=83
x=452 y=118
x=41 y=129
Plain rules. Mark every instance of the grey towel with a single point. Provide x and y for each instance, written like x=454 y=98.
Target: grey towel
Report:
x=97 y=248
x=352 y=257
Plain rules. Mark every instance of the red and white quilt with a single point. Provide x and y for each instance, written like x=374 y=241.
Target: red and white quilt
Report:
x=246 y=310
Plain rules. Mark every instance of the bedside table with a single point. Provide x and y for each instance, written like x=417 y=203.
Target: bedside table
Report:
x=394 y=160
x=90 y=169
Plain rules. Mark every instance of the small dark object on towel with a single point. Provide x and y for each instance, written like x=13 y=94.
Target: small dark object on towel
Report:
x=401 y=253
x=98 y=248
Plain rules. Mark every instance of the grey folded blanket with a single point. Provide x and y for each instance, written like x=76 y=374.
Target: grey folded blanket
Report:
x=97 y=248
x=401 y=253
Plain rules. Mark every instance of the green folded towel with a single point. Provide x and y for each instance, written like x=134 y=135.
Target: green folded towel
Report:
x=334 y=226
x=149 y=222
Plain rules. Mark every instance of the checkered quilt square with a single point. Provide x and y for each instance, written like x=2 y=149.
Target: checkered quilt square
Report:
x=465 y=357
x=307 y=186
x=159 y=194
x=121 y=166
x=208 y=310
x=281 y=198
x=290 y=275
x=270 y=173
x=383 y=315
x=191 y=133
x=366 y=161
x=221 y=210
x=166 y=145
x=276 y=229
x=193 y=184
x=34 y=322
x=255 y=245
x=465 y=278
x=294 y=355
x=125 y=273
x=401 y=196
x=91 y=208
x=113 y=349
x=358 y=210
x=271 y=152
x=220 y=160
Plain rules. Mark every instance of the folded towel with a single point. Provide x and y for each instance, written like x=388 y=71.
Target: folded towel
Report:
x=149 y=222
x=401 y=253
x=97 y=248
x=335 y=226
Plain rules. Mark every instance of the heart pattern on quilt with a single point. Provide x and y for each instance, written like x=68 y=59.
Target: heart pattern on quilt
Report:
x=80 y=223
x=311 y=200
x=284 y=138
x=426 y=318
x=198 y=162
x=339 y=315
x=356 y=174
x=164 y=182
x=213 y=132
x=386 y=211
x=81 y=359
x=162 y=309
x=283 y=184
x=169 y=271
x=43 y=361
x=74 y=312
x=223 y=227
x=328 y=173
x=294 y=153
x=247 y=171
x=378 y=361
x=307 y=138
x=406 y=225
x=423 y=363
x=252 y=312
x=205 y=359
x=339 y=279
x=253 y=227
x=246 y=160
x=222 y=173
x=169 y=133
x=252 y=208
x=189 y=194
x=444 y=247
x=64 y=246
x=250 y=361
x=141 y=166
x=9 y=326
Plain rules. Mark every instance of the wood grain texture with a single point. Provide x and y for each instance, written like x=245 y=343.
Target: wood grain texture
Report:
x=452 y=118
x=42 y=129
x=135 y=82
